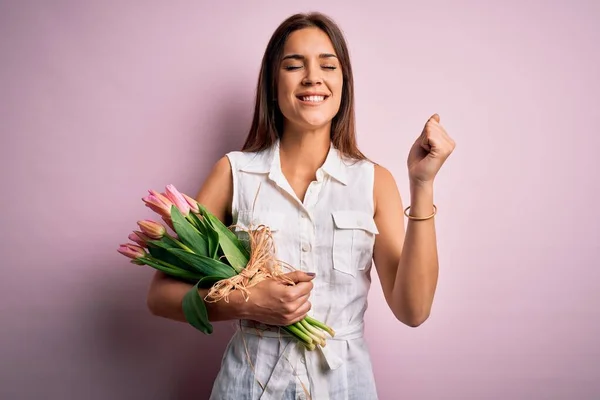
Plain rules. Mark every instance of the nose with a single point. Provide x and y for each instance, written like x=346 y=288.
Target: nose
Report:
x=313 y=76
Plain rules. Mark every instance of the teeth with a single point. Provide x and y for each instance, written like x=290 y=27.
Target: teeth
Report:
x=316 y=99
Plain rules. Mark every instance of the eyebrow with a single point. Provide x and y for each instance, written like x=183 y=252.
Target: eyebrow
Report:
x=301 y=57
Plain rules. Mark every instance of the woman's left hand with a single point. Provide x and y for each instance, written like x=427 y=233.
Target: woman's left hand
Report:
x=429 y=152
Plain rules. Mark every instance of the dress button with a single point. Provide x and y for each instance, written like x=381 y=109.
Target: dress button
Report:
x=305 y=247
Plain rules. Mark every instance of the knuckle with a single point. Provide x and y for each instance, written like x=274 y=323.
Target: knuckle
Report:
x=288 y=297
x=288 y=308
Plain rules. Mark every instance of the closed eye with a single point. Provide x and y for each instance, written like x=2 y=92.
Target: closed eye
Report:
x=296 y=67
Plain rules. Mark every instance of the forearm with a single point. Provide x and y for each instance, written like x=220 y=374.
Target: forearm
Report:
x=417 y=274
x=165 y=299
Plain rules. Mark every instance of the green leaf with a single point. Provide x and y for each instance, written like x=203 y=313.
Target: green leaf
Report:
x=163 y=244
x=219 y=226
x=195 y=311
x=208 y=281
x=206 y=229
x=197 y=222
x=204 y=265
x=233 y=249
x=172 y=271
x=162 y=253
x=186 y=232
x=168 y=240
x=213 y=243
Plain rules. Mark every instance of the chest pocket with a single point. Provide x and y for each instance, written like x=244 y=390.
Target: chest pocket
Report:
x=247 y=219
x=353 y=239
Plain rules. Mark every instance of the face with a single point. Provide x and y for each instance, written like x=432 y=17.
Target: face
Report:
x=310 y=80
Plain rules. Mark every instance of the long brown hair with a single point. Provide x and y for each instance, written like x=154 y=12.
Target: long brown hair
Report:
x=267 y=123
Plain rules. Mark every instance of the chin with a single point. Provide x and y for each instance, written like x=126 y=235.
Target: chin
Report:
x=314 y=121
x=314 y=125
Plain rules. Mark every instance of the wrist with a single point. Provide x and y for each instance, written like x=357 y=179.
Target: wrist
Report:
x=414 y=182
x=236 y=308
x=243 y=310
x=421 y=190
x=421 y=199
x=240 y=308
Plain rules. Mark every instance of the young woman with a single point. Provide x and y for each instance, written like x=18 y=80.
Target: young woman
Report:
x=332 y=212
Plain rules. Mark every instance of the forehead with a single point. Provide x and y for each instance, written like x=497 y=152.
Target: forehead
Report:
x=308 y=41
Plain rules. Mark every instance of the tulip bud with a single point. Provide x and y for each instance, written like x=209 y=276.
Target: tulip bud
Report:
x=139 y=238
x=158 y=203
x=177 y=198
x=152 y=229
x=192 y=203
x=132 y=251
x=169 y=223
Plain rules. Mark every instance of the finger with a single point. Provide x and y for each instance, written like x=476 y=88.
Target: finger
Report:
x=302 y=299
x=300 y=276
x=434 y=117
x=429 y=125
x=301 y=312
x=425 y=143
x=299 y=290
x=292 y=306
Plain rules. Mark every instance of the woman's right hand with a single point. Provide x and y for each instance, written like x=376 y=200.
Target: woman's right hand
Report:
x=275 y=303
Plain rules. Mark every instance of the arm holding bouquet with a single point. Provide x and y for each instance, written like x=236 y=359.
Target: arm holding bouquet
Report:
x=272 y=302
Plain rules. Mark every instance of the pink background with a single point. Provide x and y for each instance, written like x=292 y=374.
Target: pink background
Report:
x=100 y=102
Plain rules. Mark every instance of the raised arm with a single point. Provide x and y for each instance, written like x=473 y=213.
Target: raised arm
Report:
x=407 y=261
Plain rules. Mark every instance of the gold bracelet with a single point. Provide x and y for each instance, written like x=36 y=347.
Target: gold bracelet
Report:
x=420 y=218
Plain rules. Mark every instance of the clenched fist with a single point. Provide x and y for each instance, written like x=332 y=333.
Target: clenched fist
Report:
x=274 y=303
x=429 y=152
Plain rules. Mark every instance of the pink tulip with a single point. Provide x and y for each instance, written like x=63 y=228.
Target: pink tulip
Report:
x=158 y=203
x=192 y=203
x=177 y=198
x=142 y=236
x=161 y=196
x=152 y=229
x=139 y=238
x=132 y=251
x=169 y=223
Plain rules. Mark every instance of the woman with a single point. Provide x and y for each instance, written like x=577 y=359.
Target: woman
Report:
x=332 y=212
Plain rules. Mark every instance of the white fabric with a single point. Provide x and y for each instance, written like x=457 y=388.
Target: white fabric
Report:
x=332 y=234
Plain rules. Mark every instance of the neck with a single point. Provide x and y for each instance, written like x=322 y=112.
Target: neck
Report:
x=305 y=149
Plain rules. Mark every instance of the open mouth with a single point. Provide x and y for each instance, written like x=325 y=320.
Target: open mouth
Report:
x=312 y=99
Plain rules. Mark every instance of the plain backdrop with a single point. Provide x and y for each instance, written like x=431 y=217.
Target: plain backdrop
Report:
x=101 y=101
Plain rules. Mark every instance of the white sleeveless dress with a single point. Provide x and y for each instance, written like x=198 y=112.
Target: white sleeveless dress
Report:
x=331 y=233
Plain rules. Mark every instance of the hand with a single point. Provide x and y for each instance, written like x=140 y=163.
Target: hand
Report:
x=275 y=303
x=429 y=152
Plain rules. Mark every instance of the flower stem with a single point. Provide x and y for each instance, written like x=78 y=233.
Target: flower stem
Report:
x=316 y=339
x=299 y=334
x=167 y=268
x=304 y=330
x=179 y=243
x=321 y=325
x=313 y=330
x=309 y=347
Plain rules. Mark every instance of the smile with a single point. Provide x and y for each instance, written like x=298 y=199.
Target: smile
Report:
x=313 y=99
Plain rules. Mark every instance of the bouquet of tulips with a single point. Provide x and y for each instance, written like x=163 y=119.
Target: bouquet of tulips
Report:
x=203 y=251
